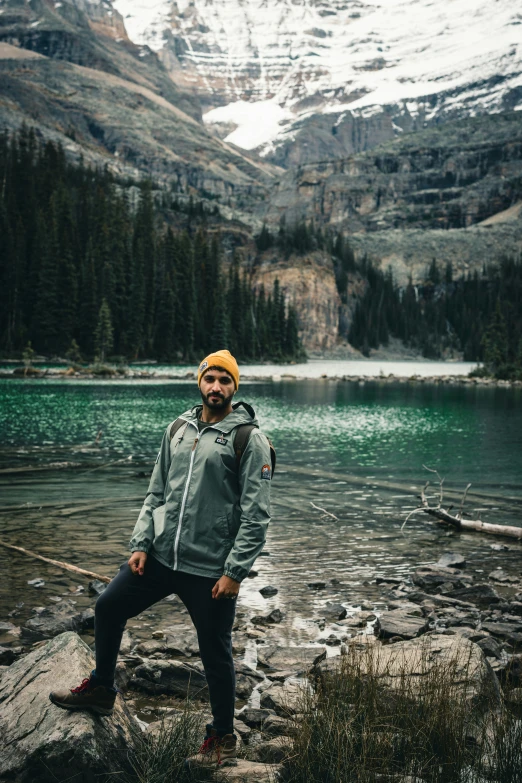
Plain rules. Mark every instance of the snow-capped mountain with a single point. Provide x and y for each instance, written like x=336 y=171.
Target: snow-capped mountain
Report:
x=265 y=69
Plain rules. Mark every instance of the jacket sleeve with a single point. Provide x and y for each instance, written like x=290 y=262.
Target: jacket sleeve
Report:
x=143 y=533
x=254 y=485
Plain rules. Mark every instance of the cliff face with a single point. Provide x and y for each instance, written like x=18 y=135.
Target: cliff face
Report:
x=308 y=284
x=420 y=197
x=112 y=101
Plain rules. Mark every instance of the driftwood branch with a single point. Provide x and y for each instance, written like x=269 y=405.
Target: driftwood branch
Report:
x=328 y=513
x=59 y=563
x=443 y=515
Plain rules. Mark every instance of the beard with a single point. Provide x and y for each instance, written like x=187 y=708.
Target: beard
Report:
x=220 y=401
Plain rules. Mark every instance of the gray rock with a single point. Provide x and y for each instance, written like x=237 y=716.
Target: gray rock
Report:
x=255 y=717
x=275 y=726
x=36 y=582
x=57 y=619
x=432 y=578
x=513 y=608
x=295 y=659
x=171 y=677
x=275 y=616
x=481 y=594
x=451 y=560
x=41 y=742
x=268 y=591
x=96 y=587
x=508 y=631
x=316 y=585
x=400 y=623
x=286 y=699
x=9 y=628
x=334 y=611
x=499 y=575
x=490 y=647
x=272 y=751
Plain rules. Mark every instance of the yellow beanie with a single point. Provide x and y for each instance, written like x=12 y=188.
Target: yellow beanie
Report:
x=222 y=359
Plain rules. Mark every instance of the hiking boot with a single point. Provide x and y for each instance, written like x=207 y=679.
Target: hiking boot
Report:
x=215 y=751
x=87 y=696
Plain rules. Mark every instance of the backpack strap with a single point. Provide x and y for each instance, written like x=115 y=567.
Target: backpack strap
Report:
x=177 y=425
x=241 y=438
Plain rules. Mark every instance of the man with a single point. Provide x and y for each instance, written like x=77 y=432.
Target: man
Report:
x=201 y=527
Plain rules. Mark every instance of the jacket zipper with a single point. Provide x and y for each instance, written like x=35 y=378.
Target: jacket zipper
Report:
x=183 y=502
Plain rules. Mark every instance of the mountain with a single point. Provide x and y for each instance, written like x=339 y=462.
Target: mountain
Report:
x=310 y=80
x=69 y=69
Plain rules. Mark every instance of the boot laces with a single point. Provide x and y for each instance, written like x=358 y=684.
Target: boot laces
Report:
x=209 y=745
x=85 y=686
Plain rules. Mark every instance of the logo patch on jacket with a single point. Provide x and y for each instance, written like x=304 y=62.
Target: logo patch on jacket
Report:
x=266 y=472
x=221 y=440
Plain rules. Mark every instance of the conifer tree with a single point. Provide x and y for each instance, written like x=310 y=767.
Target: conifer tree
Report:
x=104 y=336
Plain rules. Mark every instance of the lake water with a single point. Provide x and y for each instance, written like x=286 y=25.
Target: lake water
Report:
x=356 y=451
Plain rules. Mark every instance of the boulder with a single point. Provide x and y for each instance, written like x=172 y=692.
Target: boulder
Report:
x=512 y=633
x=285 y=699
x=275 y=726
x=272 y=751
x=255 y=717
x=481 y=594
x=333 y=611
x=57 y=619
x=400 y=622
x=9 y=654
x=275 y=616
x=432 y=578
x=295 y=659
x=451 y=560
x=41 y=742
x=170 y=677
x=471 y=675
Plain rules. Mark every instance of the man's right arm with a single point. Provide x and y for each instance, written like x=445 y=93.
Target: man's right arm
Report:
x=143 y=533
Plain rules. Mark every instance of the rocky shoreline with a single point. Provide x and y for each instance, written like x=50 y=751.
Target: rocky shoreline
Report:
x=441 y=603
x=118 y=375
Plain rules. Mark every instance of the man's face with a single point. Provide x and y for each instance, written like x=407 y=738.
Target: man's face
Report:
x=217 y=389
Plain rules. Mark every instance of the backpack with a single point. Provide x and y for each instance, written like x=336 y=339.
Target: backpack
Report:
x=241 y=438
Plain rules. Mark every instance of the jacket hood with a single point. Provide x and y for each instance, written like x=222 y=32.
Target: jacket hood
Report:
x=242 y=413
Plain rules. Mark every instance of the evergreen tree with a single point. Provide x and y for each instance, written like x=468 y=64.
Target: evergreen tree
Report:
x=104 y=335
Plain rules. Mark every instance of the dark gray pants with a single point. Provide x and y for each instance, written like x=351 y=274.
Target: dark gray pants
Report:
x=129 y=594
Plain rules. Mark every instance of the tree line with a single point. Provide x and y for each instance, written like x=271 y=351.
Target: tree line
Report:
x=479 y=315
x=88 y=268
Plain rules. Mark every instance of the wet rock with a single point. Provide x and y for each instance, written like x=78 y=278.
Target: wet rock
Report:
x=252 y=574
x=273 y=751
x=9 y=654
x=268 y=591
x=316 y=585
x=431 y=579
x=39 y=741
x=331 y=641
x=250 y=772
x=275 y=726
x=499 y=575
x=96 y=587
x=246 y=680
x=170 y=677
x=255 y=717
x=334 y=611
x=400 y=623
x=10 y=629
x=451 y=560
x=57 y=619
x=490 y=647
x=122 y=676
x=36 y=582
x=126 y=643
x=286 y=699
x=275 y=616
x=508 y=631
x=481 y=594
x=294 y=659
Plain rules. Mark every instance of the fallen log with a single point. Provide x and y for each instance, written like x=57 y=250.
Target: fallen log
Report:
x=457 y=521
x=59 y=563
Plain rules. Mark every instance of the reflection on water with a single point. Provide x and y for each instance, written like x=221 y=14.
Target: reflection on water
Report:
x=356 y=451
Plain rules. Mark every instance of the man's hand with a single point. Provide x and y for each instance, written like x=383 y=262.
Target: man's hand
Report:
x=137 y=562
x=226 y=587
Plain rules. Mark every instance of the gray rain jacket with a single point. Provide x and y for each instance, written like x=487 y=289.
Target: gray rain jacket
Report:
x=201 y=515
